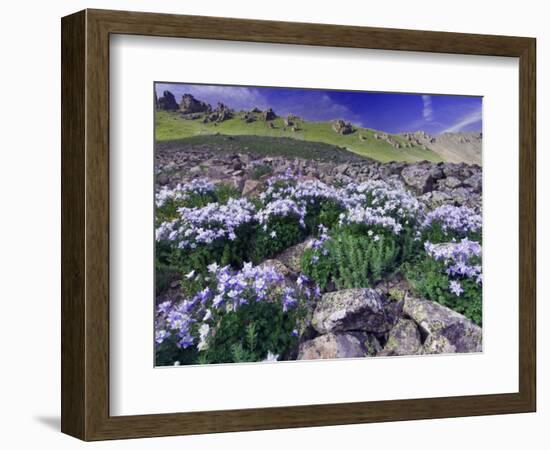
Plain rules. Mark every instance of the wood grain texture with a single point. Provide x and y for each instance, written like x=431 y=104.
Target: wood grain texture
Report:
x=85 y=224
x=73 y=112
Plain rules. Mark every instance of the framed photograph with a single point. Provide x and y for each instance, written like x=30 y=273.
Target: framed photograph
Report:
x=273 y=225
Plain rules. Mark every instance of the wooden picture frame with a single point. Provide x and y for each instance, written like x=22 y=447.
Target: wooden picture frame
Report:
x=85 y=224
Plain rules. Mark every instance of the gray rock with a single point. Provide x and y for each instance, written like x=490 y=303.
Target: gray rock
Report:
x=475 y=182
x=450 y=182
x=163 y=179
x=464 y=196
x=236 y=182
x=339 y=345
x=446 y=331
x=403 y=339
x=436 y=198
x=419 y=178
x=291 y=256
x=251 y=187
x=351 y=310
x=276 y=265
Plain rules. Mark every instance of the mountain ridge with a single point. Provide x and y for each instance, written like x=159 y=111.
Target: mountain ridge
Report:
x=192 y=117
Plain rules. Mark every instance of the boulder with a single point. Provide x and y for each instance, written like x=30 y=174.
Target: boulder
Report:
x=475 y=182
x=450 y=182
x=236 y=182
x=419 y=178
x=436 y=198
x=163 y=179
x=403 y=339
x=291 y=256
x=465 y=196
x=446 y=330
x=276 y=265
x=251 y=187
x=339 y=345
x=358 y=309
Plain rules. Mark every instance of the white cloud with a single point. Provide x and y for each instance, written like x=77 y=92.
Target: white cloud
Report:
x=469 y=119
x=427 y=111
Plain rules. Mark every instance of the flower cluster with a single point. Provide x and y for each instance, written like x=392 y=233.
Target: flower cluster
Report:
x=252 y=283
x=459 y=219
x=366 y=215
x=317 y=245
x=460 y=261
x=228 y=291
x=312 y=191
x=174 y=320
x=205 y=225
x=199 y=186
x=306 y=192
x=283 y=207
x=390 y=198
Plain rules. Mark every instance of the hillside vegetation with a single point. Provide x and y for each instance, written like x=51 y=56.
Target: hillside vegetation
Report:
x=170 y=126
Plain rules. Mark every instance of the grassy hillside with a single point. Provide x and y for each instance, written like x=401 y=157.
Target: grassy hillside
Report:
x=169 y=126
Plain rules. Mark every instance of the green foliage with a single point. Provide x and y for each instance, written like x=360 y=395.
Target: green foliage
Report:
x=171 y=261
x=351 y=260
x=168 y=352
x=436 y=235
x=168 y=211
x=221 y=194
x=261 y=170
x=165 y=271
x=250 y=333
x=288 y=232
x=224 y=192
x=325 y=213
x=429 y=280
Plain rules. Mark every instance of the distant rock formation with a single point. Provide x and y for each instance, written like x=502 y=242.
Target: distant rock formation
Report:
x=221 y=113
x=269 y=114
x=342 y=127
x=249 y=117
x=190 y=105
x=167 y=102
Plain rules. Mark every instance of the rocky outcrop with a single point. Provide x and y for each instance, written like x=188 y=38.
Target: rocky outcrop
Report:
x=435 y=184
x=269 y=114
x=220 y=114
x=358 y=309
x=167 y=102
x=339 y=345
x=190 y=105
x=445 y=330
x=341 y=127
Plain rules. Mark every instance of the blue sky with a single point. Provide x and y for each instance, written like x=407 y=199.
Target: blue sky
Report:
x=390 y=112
